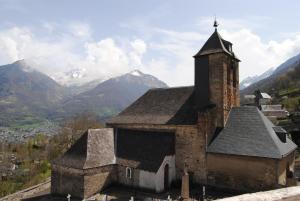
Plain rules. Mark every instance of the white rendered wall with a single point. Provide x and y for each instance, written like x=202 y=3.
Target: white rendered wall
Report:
x=147 y=180
x=150 y=180
x=160 y=173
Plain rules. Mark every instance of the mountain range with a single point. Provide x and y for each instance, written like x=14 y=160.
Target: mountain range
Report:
x=286 y=73
x=28 y=96
x=252 y=79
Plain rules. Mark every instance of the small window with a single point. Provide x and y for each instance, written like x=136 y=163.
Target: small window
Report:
x=128 y=173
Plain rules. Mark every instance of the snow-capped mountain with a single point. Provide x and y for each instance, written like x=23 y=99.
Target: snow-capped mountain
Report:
x=112 y=95
x=252 y=79
x=26 y=92
x=136 y=73
x=73 y=77
x=270 y=81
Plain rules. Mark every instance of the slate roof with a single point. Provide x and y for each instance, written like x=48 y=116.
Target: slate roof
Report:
x=144 y=150
x=249 y=133
x=216 y=44
x=161 y=106
x=94 y=148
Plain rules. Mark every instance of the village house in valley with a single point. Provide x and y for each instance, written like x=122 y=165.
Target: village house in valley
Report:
x=201 y=128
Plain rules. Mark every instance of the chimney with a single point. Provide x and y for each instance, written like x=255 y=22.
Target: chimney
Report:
x=281 y=133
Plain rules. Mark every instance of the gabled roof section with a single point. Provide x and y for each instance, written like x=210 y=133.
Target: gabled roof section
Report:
x=94 y=148
x=161 y=106
x=216 y=44
x=249 y=133
x=144 y=150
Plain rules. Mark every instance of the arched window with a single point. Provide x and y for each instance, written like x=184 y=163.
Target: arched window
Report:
x=128 y=173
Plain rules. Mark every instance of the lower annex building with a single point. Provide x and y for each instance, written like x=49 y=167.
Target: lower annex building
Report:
x=200 y=127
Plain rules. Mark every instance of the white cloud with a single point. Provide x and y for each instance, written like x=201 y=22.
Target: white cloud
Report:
x=61 y=60
x=139 y=48
x=258 y=56
x=71 y=55
x=79 y=29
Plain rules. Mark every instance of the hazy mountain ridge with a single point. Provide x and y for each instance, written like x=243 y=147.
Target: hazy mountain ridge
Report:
x=28 y=96
x=77 y=89
x=113 y=95
x=252 y=79
x=271 y=83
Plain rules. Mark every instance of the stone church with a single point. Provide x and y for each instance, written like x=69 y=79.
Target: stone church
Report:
x=200 y=127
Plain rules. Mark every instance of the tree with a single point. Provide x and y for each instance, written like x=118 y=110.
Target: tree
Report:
x=70 y=131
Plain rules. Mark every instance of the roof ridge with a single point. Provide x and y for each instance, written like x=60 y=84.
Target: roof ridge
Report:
x=249 y=132
x=271 y=133
x=87 y=147
x=222 y=44
x=166 y=88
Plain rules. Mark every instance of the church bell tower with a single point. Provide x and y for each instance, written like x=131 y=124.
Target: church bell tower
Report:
x=217 y=77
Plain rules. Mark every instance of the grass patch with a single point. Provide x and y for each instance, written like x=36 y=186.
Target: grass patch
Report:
x=291 y=103
x=289 y=91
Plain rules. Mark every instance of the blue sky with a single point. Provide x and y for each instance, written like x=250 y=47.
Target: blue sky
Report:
x=75 y=41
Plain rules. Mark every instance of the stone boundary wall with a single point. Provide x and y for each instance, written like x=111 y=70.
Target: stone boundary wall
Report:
x=28 y=191
x=283 y=194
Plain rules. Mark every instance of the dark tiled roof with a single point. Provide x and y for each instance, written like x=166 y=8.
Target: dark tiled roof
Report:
x=144 y=150
x=216 y=44
x=161 y=106
x=94 y=148
x=248 y=132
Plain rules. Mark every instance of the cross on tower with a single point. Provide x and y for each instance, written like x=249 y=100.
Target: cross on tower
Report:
x=216 y=24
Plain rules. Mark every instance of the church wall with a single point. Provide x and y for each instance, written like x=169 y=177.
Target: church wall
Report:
x=217 y=84
x=143 y=179
x=66 y=181
x=189 y=148
x=224 y=88
x=98 y=181
x=148 y=180
x=242 y=173
x=288 y=161
x=159 y=177
x=80 y=183
x=130 y=182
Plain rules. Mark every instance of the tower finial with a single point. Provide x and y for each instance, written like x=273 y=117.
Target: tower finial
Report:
x=216 y=24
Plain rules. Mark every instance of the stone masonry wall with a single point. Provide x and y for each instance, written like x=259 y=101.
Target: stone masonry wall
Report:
x=241 y=172
x=286 y=162
x=81 y=183
x=217 y=83
x=133 y=181
x=66 y=181
x=222 y=91
x=97 y=179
